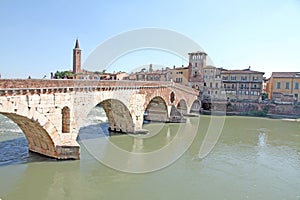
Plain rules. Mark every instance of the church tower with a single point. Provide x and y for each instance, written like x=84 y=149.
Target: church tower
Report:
x=76 y=58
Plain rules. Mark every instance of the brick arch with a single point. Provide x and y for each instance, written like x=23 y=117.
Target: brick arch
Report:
x=119 y=116
x=42 y=136
x=182 y=106
x=156 y=109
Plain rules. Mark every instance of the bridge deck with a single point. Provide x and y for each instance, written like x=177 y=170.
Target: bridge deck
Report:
x=24 y=86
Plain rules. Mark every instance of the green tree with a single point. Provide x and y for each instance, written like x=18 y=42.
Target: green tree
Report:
x=63 y=75
x=264 y=96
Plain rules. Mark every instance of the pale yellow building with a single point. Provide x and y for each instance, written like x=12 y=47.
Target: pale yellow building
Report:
x=180 y=75
x=284 y=83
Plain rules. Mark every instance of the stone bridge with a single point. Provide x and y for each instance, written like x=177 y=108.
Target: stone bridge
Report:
x=51 y=112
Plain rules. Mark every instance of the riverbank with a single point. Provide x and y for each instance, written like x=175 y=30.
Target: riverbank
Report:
x=252 y=114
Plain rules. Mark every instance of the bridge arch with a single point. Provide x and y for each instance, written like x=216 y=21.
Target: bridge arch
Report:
x=196 y=106
x=156 y=110
x=182 y=107
x=41 y=135
x=119 y=117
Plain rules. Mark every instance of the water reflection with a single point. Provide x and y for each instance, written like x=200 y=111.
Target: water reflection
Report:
x=262 y=137
x=138 y=144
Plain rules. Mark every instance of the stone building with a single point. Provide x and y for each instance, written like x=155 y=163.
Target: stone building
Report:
x=197 y=61
x=242 y=84
x=284 y=86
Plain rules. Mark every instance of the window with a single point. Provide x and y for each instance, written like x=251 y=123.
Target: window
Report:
x=216 y=92
x=243 y=78
x=217 y=85
x=278 y=85
x=224 y=85
x=232 y=86
x=210 y=85
x=255 y=78
x=233 y=78
x=178 y=80
x=296 y=86
x=225 y=77
x=287 y=85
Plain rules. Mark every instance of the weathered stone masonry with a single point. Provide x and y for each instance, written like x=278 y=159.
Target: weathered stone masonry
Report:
x=50 y=112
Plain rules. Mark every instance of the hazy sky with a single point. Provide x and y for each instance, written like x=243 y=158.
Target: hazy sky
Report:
x=37 y=37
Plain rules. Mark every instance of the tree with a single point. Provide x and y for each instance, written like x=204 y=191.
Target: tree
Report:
x=264 y=96
x=63 y=75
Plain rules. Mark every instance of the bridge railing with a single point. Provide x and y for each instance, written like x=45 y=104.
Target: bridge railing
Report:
x=37 y=86
x=185 y=88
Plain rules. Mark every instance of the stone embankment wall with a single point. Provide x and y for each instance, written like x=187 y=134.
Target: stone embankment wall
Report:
x=251 y=108
x=278 y=109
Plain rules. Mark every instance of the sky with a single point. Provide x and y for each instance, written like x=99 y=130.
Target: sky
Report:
x=37 y=37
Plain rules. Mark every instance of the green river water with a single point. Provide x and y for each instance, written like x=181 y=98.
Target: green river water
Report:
x=254 y=158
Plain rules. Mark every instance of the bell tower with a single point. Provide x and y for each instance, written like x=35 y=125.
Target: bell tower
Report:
x=76 y=58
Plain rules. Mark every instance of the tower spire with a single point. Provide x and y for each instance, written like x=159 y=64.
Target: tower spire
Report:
x=77 y=44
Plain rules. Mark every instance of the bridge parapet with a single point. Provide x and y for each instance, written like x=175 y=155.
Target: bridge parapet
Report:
x=184 y=88
x=41 y=86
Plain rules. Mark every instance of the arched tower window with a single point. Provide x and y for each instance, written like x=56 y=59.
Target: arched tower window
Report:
x=65 y=119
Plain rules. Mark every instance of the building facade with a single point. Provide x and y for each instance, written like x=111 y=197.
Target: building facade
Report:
x=284 y=86
x=212 y=83
x=150 y=75
x=180 y=75
x=242 y=84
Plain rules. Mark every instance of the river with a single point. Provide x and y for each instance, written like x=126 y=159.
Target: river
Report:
x=254 y=158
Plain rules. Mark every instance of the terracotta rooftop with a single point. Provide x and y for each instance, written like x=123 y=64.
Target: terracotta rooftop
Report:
x=285 y=74
x=179 y=68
